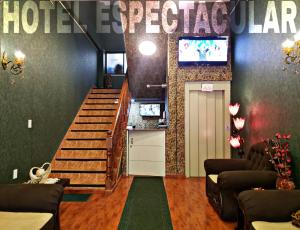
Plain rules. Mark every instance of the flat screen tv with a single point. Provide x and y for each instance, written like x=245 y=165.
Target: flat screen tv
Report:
x=197 y=51
x=150 y=110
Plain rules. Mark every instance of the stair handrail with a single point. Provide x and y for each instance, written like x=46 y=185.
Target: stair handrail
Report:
x=115 y=139
x=124 y=93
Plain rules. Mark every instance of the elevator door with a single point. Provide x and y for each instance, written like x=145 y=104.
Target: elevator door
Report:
x=207 y=126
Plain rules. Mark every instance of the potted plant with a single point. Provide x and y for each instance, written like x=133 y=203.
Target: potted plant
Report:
x=280 y=157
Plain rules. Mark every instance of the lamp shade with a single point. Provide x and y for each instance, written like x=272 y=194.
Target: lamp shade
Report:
x=19 y=58
x=239 y=123
x=235 y=142
x=297 y=36
x=287 y=44
x=234 y=108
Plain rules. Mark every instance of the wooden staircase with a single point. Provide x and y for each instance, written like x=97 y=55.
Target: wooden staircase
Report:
x=85 y=155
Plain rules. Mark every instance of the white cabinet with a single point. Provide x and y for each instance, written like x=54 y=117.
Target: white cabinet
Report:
x=146 y=152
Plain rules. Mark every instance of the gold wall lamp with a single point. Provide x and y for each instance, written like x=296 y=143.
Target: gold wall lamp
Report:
x=15 y=66
x=291 y=50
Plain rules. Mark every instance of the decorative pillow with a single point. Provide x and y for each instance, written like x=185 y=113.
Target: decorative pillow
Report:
x=213 y=177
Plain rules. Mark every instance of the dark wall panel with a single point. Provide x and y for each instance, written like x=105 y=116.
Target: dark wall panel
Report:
x=143 y=70
x=59 y=71
x=89 y=14
x=269 y=97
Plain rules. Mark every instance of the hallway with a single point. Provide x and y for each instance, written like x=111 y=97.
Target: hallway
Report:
x=188 y=205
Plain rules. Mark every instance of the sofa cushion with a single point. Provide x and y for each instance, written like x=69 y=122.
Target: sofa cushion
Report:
x=30 y=197
x=214 y=178
x=263 y=225
x=23 y=220
x=257 y=159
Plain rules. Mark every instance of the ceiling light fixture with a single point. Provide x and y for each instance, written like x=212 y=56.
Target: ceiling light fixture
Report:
x=147 y=48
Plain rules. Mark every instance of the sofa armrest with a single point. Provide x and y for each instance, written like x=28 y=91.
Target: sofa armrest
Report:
x=247 y=179
x=31 y=197
x=216 y=166
x=269 y=205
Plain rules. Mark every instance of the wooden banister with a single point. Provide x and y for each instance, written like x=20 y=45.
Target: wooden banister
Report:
x=115 y=140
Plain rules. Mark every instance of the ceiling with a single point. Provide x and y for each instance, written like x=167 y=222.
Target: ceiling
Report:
x=140 y=73
x=112 y=41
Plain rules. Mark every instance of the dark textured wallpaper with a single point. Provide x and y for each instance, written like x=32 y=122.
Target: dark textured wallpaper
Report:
x=143 y=70
x=269 y=97
x=59 y=71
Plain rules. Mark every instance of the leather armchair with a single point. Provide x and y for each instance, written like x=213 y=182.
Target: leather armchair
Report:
x=268 y=206
x=33 y=198
x=225 y=178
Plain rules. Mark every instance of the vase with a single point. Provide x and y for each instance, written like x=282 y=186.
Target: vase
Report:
x=296 y=219
x=296 y=222
x=284 y=184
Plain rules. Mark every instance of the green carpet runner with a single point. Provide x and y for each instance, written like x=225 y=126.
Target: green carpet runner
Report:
x=76 y=197
x=146 y=207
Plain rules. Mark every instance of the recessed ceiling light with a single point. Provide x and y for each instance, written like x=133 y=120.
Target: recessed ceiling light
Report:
x=147 y=48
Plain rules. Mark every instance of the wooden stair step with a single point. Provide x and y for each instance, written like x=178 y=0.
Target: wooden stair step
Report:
x=94 y=119
x=101 y=96
x=85 y=135
x=102 y=107
x=97 y=113
x=86 y=188
x=83 y=144
x=82 y=178
x=78 y=166
x=99 y=90
x=81 y=154
x=101 y=101
x=91 y=126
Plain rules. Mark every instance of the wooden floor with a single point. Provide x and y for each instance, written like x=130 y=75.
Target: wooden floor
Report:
x=188 y=204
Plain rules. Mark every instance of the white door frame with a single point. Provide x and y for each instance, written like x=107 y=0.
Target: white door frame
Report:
x=217 y=85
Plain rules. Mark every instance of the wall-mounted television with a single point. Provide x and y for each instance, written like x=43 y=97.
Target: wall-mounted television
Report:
x=150 y=110
x=197 y=51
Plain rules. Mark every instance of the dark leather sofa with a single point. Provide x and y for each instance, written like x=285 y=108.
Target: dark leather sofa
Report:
x=33 y=198
x=271 y=206
x=225 y=178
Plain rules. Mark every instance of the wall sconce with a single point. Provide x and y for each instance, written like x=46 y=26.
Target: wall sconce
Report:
x=291 y=49
x=16 y=65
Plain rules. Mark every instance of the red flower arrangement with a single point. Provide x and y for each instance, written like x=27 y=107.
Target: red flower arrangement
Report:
x=280 y=157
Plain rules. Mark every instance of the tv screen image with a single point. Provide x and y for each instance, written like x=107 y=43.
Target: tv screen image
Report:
x=150 y=110
x=203 y=50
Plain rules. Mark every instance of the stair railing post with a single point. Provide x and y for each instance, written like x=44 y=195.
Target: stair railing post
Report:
x=109 y=163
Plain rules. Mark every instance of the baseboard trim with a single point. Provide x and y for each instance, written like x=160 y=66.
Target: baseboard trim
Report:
x=176 y=176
